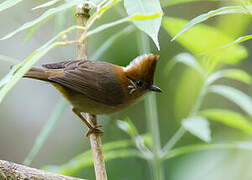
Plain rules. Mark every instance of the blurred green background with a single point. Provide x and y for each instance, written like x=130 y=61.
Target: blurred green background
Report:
x=30 y=103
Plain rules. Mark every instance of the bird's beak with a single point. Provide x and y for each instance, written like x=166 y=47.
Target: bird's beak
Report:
x=155 y=88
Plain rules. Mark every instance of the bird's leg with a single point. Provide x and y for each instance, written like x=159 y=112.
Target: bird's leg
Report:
x=91 y=129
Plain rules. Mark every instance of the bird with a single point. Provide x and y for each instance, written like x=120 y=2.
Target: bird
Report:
x=99 y=87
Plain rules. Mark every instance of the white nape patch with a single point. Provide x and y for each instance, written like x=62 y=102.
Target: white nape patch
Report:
x=136 y=61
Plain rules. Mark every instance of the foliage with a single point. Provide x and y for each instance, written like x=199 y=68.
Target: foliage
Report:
x=209 y=51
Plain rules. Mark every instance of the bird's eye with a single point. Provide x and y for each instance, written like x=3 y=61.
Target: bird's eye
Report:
x=139 y=83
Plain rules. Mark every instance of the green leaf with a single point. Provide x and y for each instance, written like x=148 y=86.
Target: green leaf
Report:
x=165 y=3
x=186 y=59
x=8 y=3
x=112 y=150
x=205 y=40
x=151 y=26
x=229 y=118
x=235 y=74
x=234 y=95
x=198 y=126
x=239 y=40
x=47 y=4
x=44 y=16
x=220 y=11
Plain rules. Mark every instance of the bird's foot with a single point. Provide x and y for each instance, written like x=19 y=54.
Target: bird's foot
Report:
x=96 y=130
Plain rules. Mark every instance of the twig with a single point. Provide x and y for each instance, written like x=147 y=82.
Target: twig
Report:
x=12 y=171
x=82 y=15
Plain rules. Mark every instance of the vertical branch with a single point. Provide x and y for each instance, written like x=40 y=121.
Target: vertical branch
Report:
x=82 y=15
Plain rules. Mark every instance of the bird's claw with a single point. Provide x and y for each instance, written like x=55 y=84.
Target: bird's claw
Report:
x=95 y=130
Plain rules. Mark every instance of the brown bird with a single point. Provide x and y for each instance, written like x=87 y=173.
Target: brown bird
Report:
x=99 y=87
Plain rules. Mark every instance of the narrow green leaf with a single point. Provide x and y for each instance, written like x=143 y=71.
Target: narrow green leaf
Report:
x=204 y=17
x=229 y=118
x=205 y=40
x=186 y=59
x=41 y=18
x=47 y=4
x=24 y=67
x=198 y=126
x=239 y=40
x=165 y=3
x=235 y=74
x=234 y=95
x=8 y=3
x=151 y=26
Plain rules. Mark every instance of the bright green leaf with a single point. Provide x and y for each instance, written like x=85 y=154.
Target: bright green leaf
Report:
x=205 y=40
x=8 y=3
x=229 y=118
x=198 y=126
x=41 y=18
x=220 y=11
x=151 y=26
x=234 y=95
x=235 y=74
x=165 y=3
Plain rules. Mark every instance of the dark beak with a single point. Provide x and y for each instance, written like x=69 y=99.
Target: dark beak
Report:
x=155 y=88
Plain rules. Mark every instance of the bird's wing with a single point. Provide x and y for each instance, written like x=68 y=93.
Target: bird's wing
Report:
x=96 y=80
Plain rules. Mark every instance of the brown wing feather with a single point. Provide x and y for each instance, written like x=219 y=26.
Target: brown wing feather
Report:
x=96 y=80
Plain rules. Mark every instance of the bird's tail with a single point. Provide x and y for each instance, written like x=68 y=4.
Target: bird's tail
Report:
x=41 y=74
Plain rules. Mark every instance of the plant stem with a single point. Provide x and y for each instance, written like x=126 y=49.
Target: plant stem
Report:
x=174 y=139
x=152 y=118
x=82 y=15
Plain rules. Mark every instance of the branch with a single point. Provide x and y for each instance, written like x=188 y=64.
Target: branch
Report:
x=12 y=171
x=82 y=15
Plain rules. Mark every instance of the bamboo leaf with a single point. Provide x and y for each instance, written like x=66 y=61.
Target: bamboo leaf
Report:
x=235 y=74
x=44 y=16
x=198 y=126
x=229 y=118
x=8 y=3
x=205 y=40
x=220 y=11
x=151 y=26
x=234 y=95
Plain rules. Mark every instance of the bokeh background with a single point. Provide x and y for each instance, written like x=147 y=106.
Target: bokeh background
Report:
x=30 y=103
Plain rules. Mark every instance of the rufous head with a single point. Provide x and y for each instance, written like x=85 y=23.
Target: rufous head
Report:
x=140 y=73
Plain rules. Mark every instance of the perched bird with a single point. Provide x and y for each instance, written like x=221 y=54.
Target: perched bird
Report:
x=99 y=87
